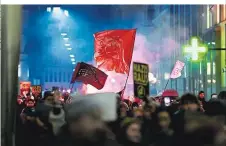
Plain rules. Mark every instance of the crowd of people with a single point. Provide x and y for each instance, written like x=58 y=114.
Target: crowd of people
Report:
x=188 y=121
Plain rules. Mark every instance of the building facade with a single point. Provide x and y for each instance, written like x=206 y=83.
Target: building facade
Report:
x=213 y=25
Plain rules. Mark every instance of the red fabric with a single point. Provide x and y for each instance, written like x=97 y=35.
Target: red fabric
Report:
x=89 y=75
x=170 y=93
x=114 y=49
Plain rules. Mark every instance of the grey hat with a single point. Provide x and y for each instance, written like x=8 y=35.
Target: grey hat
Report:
x=79 y=107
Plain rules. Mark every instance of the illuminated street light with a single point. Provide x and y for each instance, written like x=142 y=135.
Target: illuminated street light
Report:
x=66 y=39
x=69 y=49
x=194 y=49
x=66 y=13
x=72 y=59
x=48 y=9
x=73 y=62
x=63 y=34
x=67 y=45
x=72 y=56
x=56 y=9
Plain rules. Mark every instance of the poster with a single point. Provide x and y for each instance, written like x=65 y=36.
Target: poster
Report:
x=24 y=88
x=140 y=79
x=36 y=91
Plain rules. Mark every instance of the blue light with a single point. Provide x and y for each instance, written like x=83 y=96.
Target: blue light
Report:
x=72 y=56
x=69 y=49
x=73 y=62
x=63 y=34
x=72 y=59
x=67 y=45
x=56 y=9
x=66 y=13
x=48 y=9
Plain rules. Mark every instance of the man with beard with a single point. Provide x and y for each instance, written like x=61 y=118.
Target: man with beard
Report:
x=84 y=126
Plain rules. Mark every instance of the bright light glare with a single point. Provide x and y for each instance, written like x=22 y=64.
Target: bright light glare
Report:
x=73 y=59
x=72 y=56
x=69 y=90
x=67 y=45
x=73 y=62
x=63 y=34
x=56 y=9
x=69 y=49
x=48 y=9
x=73 y=69
x=113 y=80
x=66 y=39
x=66 y=13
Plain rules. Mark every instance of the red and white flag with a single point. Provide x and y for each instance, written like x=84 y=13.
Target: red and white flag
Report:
x=113 y=49
x=176 y=72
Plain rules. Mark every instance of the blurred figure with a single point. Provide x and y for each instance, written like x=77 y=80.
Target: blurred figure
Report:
x=189 y=102
x=84 y=126
x=42 y=119
x=201 y=98
x=130 y=132
x=164 y=137
x=222 y=95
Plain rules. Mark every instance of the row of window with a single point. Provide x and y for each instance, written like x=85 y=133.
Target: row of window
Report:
x=215 y=14
x=58 y=76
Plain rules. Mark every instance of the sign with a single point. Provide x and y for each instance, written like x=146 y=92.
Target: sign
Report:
x=176 y=72
x=36 y=91
x=25 y=88
x=140 y=78
x=195 y=49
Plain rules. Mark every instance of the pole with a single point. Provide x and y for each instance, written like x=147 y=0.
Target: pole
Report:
x=10 y=49
x=166 y=84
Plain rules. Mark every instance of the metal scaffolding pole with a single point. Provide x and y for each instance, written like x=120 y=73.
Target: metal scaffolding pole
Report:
x=10 y=50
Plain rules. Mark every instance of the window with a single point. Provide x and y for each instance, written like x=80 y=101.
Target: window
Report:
x=60 y=77
x=55 y=77
x=222 y=13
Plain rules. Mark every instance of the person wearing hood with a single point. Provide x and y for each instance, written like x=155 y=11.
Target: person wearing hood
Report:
x=202 y=100
x=130 y=132
x=84 y=126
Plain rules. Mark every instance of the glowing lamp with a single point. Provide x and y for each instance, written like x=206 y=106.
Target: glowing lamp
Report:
x=73 y=62
x=195 y=49
x=69 y=49
x=63 y=34
x=56 y=9
x=67 y=45
x=72 y=59
x=72 y=56
x=66 y=13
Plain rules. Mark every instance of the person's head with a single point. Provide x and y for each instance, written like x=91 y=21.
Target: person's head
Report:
x=132 y=130
x=147 y=111
x=222 y=95
x=189 y=102
x=164 y=119
x=201 y=95
x=30 y=103
x=48 y=97
x=84 y=121
x=123 y=107
x=138 y=113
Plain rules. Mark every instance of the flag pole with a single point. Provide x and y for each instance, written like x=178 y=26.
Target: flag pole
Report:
x=167 y=84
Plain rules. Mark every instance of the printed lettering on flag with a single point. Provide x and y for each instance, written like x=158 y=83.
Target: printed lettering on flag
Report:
x=114 y=49
x=176 y=72
x=89 y=75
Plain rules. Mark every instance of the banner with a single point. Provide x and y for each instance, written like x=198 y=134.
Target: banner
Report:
x=89 y=75
x=176 y=72
x=24 y=88
x=36 y=91
x=113 y=49
x=141 y=81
